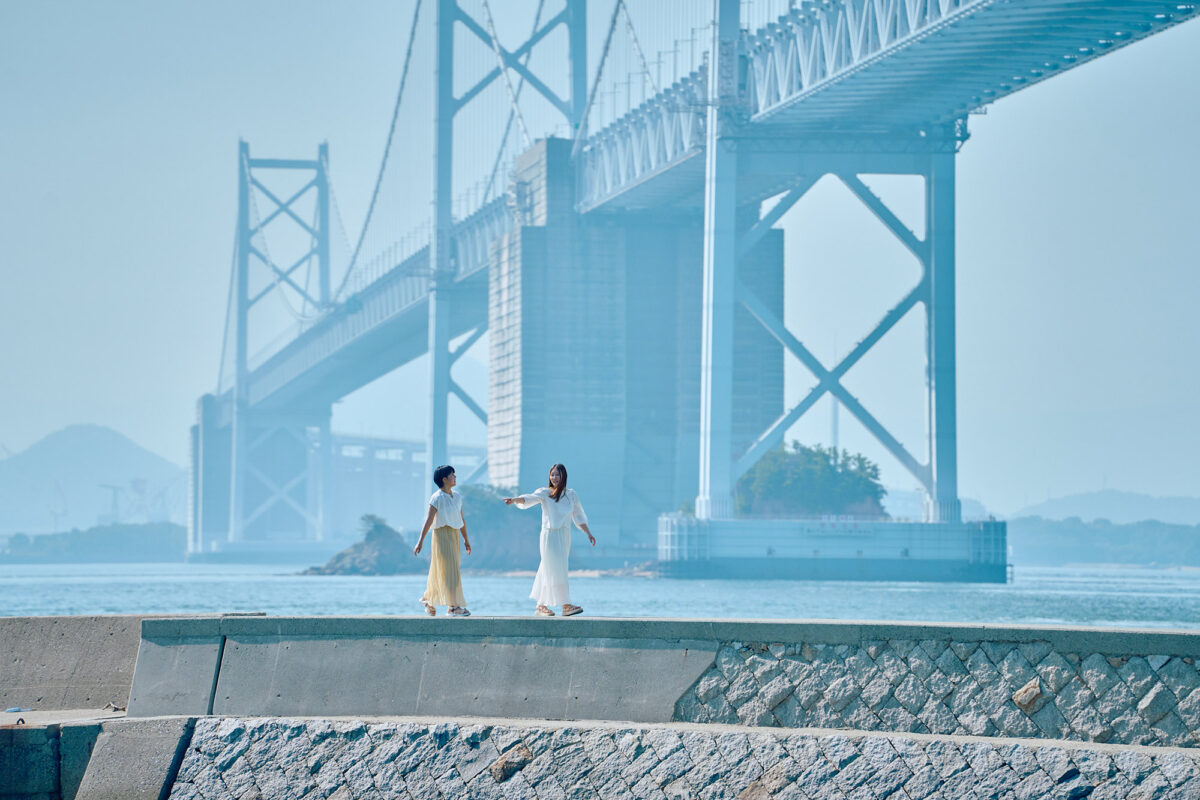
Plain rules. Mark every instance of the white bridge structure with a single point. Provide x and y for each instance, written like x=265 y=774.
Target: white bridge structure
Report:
x=546 y=162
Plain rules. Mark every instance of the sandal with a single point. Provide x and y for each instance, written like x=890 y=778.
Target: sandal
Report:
x=543 y=611
x=430 y=610
x=570 y=610
x=459 y=611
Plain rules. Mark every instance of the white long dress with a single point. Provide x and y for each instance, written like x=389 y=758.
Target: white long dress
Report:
x=550 y=585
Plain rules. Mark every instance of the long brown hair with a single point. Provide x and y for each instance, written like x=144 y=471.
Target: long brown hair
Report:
x=562 y=487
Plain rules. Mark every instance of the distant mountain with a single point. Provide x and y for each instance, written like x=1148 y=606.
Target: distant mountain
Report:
x=1119 y=508
x=1033 y=540
x=69 y=480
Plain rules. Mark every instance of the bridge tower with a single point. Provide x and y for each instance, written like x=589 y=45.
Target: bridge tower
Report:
x=735 y=151
x=262 y=474
x=442 y=256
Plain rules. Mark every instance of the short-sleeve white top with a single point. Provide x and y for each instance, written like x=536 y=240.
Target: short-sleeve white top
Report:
x=449 y=509
x=555 y=514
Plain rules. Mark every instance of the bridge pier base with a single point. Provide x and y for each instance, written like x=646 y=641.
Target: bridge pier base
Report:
x=285 y=479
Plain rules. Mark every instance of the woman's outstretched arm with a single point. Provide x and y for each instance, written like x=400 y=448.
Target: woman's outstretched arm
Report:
x=523 y=500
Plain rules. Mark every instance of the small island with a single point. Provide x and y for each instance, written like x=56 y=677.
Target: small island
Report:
x=382 y=551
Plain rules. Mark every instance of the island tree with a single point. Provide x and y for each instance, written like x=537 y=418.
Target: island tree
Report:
x=811 y=482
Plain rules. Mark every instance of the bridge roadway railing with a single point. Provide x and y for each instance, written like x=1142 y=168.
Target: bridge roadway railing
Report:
x=865 y=67
x=396 y=292
x=910 y=63
x=815 y=45
x=657 y=135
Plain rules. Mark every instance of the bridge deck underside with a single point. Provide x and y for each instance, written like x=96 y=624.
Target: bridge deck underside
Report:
x=345 y=352
x=982 y=53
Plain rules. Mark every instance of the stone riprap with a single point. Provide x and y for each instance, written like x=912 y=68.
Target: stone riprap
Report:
x=290 y=758
x=980 y=688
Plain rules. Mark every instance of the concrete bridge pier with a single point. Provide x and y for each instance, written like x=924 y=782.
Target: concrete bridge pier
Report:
x=620 y=403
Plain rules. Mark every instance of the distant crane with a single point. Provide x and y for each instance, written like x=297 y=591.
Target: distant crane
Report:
x=57 y=505
x=114 y=515
x=137 y=509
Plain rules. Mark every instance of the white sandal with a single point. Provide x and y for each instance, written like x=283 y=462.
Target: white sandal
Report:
x=459 y=611
x=430 y=610
x=543 y=611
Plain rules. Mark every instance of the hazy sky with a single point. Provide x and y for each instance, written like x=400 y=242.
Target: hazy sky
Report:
x=1077 y=241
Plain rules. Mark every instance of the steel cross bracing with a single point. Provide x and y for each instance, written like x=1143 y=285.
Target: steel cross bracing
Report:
x=254 y=490
x=394 y=301
x=829 y=381
x=441 y=290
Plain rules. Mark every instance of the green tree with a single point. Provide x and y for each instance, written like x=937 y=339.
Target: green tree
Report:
x=811 y=482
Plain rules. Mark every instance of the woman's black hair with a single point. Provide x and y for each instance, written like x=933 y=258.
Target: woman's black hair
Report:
x=562 y=487
x=441 y=473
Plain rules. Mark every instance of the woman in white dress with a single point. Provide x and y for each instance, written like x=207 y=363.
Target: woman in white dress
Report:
x=444 y=586
x=560 y=508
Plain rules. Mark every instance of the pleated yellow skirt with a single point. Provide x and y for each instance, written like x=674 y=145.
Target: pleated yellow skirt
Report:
x=444 y=587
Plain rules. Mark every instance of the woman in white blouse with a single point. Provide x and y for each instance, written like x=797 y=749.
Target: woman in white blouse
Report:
x=560 y=507
x=444 y=587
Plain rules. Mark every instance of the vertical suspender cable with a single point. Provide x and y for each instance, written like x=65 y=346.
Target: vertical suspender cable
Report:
x=582 y=134
x=537 y=19
x=503 y=67
x=412 y=37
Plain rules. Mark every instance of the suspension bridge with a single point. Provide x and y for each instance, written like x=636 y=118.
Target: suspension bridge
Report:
x=574 y=179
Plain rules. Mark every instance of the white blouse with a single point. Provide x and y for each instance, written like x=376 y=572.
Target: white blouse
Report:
x=555 y=514
x=449 y=509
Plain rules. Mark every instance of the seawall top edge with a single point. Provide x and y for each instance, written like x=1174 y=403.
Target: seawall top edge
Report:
x=857 y=632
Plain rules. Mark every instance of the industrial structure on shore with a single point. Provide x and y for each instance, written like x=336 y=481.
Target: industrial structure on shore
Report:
x=624 y=264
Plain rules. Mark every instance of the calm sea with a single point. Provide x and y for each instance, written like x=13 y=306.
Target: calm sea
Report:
x=1101 y=596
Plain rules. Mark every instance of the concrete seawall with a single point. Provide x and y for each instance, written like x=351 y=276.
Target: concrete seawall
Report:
x=260 y=707
x=66 y=670
x=1127 y=687
x=52 y=663
x=537 y=669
